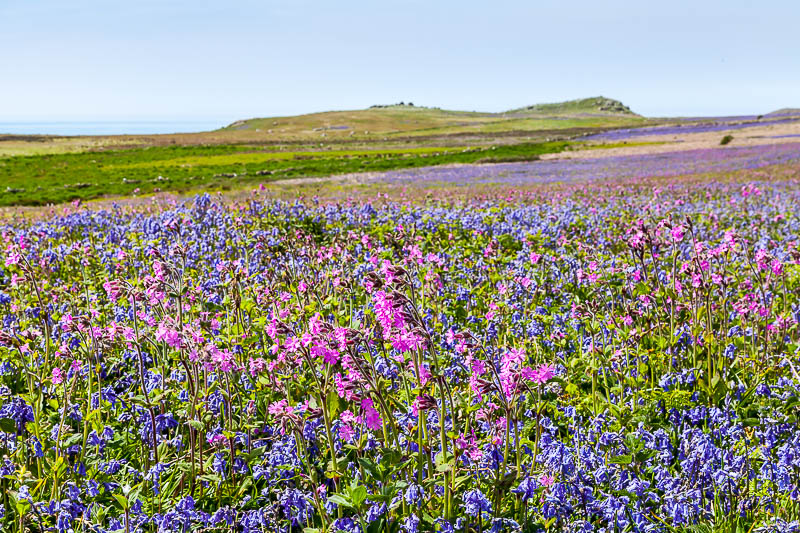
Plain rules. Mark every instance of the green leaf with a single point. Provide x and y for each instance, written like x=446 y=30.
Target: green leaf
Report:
x=621 y=460
x=122 y=500
x=371 y=468
x=196 y=424
x=358 y=495
x=457 y=482
x=8 y=425
x=338 y=499
x=332 y=402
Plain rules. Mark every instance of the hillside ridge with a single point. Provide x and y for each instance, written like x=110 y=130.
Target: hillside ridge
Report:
x=600 y=105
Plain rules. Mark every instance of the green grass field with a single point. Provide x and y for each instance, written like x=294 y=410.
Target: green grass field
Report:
x=57 y=178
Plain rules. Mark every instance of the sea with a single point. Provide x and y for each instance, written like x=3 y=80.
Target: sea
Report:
x=108 y=127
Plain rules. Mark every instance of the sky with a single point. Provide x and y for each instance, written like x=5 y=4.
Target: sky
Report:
x=227 y=60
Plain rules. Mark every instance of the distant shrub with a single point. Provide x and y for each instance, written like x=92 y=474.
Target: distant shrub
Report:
x=725 y=140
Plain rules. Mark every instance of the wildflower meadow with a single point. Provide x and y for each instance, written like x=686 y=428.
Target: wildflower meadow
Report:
x=601 y=356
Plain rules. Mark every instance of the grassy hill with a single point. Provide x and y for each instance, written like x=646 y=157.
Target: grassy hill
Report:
x=413 y=121
x=596 y=105
x=786 y=111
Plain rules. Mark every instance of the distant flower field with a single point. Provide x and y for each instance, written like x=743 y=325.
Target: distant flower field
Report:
x=601 y=358
x=737 y=123
x=666 y=164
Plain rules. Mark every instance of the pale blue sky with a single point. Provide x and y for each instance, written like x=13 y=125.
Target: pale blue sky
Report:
x=189 y=59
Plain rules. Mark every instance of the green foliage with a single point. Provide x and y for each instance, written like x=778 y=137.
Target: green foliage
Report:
x=58 y=178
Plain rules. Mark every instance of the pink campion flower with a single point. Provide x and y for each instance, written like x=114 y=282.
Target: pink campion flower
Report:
x=306 y=339
x=435 y=259
x=544 y=374
x=534 y=257
x=257 y=365
x=348 y=417
x=340 y=336
x=461 y=346
x=761 y=258
x=171 y=336
x=344 y=387
x=513 y=358
x=627 y=320
x=302 y=287
x=424 y=375
x=113 y=289
x=730 y=239
x=416 y=405
x=750 y=189
x=510 y=368
x=387 y=312
x=372 y=418
x=546 y=480
x=346 y=432
x=58 y=376
x=159 y=270
x=636 y=240
x=315 y=324
x=474 y=386
x=75 y=366
x=12 y=257
x=777 y=267
x=154 y=294
x=279 y=407
x=217 y=439
x=222 y=359
x=677 y=233
x=405 y=340
x=477 y=366
x=271 y=329
x=470 y=446
x=292 y=344
x=413 y=253
x=330 y=357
